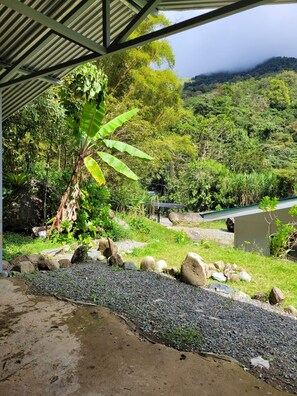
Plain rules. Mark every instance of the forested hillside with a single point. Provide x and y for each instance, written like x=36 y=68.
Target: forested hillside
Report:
x=206 y=82
x=249 y=129
x=228 y=146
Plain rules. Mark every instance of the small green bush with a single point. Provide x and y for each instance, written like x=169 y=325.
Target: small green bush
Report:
x=181 y=237
x=281 y=239
x=184 y=338
x=116 y=232
x=93 y=214
x=128 y=195
x=139 y=224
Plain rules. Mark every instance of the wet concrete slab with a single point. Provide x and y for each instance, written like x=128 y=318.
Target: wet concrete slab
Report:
x=51 y=347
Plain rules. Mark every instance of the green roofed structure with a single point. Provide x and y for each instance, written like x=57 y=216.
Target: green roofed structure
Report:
x=250 y=223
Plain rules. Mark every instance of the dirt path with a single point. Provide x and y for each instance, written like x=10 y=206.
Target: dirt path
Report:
x=207 y=234
x=50 y=347
x=223 y=237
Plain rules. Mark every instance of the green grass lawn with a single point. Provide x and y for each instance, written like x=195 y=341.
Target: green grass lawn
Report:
x=173 y=246
x=215 y=225
x=19 y=245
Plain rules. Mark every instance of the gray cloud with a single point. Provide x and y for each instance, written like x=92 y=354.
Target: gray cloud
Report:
x=236 y=42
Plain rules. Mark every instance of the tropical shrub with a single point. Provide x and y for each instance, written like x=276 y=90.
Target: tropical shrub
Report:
x=128 y=195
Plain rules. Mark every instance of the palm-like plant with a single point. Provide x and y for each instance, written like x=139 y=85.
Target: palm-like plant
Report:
x=93 y=136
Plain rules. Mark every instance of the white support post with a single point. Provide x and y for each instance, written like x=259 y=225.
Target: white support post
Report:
x=1 y=195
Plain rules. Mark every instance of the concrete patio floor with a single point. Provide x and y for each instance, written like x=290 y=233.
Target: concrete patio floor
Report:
x=51 y=347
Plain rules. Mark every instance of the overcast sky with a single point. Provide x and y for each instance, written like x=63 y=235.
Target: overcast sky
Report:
x=236 y=42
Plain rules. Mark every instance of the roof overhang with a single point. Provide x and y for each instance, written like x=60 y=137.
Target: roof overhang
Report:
x=42 y=40
x=285 y=203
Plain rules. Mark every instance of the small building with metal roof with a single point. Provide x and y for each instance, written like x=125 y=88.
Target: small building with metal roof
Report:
x=251 y=228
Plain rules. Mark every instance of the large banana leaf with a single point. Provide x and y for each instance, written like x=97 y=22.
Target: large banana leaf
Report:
x=115 y=123
x=91 y=118
x=118 y=165
x=126 y=148
x=95 y=170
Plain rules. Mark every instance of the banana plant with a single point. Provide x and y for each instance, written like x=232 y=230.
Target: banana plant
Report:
x=93 y=140
x=95 y=135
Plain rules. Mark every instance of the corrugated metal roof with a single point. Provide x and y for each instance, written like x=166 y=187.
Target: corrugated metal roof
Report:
x=169 y=5
x=42 y=40
x=29 y=46
x=246 y=210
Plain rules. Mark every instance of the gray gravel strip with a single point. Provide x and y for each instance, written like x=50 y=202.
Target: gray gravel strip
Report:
x=129 y=245
x=183 y=316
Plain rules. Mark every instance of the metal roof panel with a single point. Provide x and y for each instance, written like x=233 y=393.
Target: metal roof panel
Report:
x=246 y=210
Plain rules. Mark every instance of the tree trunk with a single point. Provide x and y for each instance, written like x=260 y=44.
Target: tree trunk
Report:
x=65 y=196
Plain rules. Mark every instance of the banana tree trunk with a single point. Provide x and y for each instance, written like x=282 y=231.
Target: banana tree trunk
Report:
x=66 y=194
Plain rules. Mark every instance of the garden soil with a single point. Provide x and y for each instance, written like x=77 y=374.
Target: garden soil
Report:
x=51 y=347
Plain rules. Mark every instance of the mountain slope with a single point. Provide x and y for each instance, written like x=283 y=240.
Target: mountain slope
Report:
x=206 y=82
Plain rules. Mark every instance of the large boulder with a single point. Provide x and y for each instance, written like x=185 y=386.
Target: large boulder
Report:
x=64 y=263
x=24 y=267
x=48 y=265
x=172 y=272
x=5 y=265
x=220 y=265
x=129 y=266
x=234 y=278
x=107 y=247
x=177 y=218
x=291 y=310
x=244 y=276
x=115 y=260
x=147 y=264
x=218 y=276
x=193 y=270
x=276 y=296
x=17 y=260
x=160 y=266
x=36 y=259
x=80 y=255
x=260 y=296
x=221 y=288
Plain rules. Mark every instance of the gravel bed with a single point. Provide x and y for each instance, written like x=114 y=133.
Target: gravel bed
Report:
x=128 y=244
x=183 y=316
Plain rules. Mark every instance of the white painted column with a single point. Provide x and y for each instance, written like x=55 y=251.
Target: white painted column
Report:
x=1 y=195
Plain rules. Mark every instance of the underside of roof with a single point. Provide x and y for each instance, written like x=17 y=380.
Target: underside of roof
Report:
x=42 y=40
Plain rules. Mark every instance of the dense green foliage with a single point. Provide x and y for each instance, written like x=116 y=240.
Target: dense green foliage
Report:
x=206 y=82
x=249 y=129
